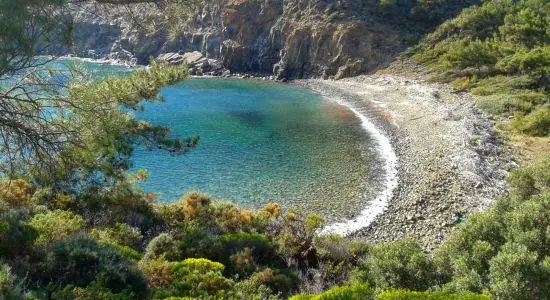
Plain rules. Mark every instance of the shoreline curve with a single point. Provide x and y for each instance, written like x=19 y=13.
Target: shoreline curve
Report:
x=377 y=206
x=441 y=173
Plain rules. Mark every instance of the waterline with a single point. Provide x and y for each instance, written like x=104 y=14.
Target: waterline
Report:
x=388 y=156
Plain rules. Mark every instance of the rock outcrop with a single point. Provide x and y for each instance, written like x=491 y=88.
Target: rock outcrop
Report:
x=289 y=39
x=197 y=63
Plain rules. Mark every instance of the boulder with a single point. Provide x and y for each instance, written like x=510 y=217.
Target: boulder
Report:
x=215 y=65
x=226 y=73
x=121 y=55
x=170 y=58
x=193 y=58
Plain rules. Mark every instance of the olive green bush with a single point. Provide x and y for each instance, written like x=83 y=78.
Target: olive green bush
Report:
x=504 y=250
x=55 y=225
x=409 y=295
x=353 y=292
x=400 y=265
x=86 y=264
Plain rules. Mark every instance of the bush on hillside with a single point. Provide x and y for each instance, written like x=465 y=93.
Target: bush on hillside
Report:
x=119 y=234
x=15 y=192
x=55 y=225
x=86 y=264
x=505 y=249
x=353 y=292
x=500 y=50
x=400 y=265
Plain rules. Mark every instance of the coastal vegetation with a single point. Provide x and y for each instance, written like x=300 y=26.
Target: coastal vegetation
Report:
x=119 y=244
x=499 y=51
x=73 y=224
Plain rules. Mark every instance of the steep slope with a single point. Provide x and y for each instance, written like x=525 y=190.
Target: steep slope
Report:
x=501 y=52
x=291 y=39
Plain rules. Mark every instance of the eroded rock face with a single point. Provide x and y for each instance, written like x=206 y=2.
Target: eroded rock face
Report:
x=287 y=38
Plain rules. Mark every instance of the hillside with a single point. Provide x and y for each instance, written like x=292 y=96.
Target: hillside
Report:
x=499 y=51
x=290 y=39
x=75 y=225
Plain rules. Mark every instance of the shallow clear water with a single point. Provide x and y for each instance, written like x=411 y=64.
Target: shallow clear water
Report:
x=260 y=142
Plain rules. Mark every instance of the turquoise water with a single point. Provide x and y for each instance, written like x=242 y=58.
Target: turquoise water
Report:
x=260 y=142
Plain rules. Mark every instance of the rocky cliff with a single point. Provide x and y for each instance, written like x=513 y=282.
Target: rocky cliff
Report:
x=287 y=38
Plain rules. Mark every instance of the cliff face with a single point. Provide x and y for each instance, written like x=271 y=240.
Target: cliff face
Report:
x=287 y=38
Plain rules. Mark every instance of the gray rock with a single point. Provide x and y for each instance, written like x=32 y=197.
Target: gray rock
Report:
x=193 y=57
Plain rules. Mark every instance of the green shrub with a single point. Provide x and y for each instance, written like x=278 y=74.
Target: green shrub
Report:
x=162 y=246
x=84 y=263
x=500 y=51
x=119 y=234
x=246 y=290
x=514 y=273
x=126 y=251
x=505 y=249
x=464 y=54
x=528 y=181
x=509 y=104
x=400 y=265
x=536 y=123
x=501 y=84
x=464 y=258
x=16 y=236
x=244 y=239
x=408 y=295
x=193 y=277
x=8 y=288
x=353 y=292
x=56 y=225
x=339 y=256
x=533 y=62
x=201 y=265
x=92 y=292
x=195 y=240
x=526 y=25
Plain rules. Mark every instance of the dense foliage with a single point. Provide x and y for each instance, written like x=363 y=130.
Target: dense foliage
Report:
x=78 y=228
x=201 y=248
x=500 y=51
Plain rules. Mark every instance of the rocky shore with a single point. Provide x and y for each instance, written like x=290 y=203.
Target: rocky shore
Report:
x=450 y=163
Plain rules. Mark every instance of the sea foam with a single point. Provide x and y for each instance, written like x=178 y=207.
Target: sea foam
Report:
x=378 y=205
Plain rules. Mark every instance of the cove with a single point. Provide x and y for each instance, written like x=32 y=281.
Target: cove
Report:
x=262 y=142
